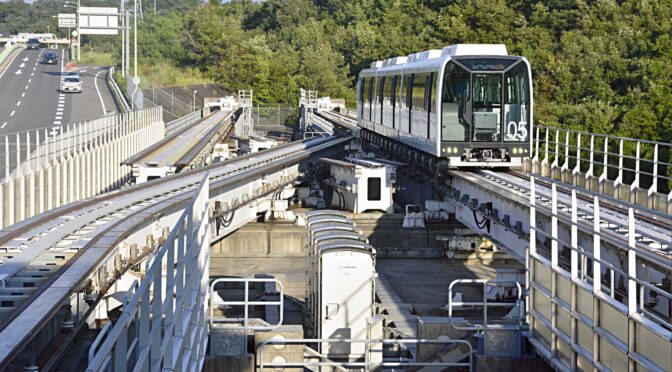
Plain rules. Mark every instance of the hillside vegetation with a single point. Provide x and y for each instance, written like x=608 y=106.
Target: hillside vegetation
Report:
x=602 y=66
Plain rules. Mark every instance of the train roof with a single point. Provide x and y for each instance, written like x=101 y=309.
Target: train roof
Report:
x=346 y=245
x=322 y=219
x=324 y=212
x=338 y=234
x=434 y=59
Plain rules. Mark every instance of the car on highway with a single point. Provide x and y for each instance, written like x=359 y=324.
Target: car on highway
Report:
x=71 y=83
x=33 y=43
x=49 y=58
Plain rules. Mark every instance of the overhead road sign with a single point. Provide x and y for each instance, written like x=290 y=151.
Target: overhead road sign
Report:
x=98 y=21
x=66 y=20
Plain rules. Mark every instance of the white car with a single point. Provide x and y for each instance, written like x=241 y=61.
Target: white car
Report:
x=71 y=83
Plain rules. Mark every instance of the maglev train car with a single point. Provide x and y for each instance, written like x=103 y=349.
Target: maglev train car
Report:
x=468 y=104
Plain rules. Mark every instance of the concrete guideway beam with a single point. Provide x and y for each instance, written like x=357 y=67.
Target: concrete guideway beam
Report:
x=238 y=186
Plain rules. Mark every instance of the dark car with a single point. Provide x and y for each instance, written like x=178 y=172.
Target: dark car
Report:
x=50 y=58
x=33 y=43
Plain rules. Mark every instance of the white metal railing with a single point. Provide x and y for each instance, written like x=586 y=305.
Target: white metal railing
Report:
x=181 y=122
x=452 y=304
x=633 y=305
x=165 y=327
x=371 y=346
x=246 y=303
x=625 y=161
x=46 y=168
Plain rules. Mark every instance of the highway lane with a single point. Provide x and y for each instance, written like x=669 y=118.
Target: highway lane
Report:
x=29 y=95
x=30 y=98
x=96 y=99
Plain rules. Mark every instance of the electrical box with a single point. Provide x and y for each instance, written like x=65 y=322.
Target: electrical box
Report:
x=361 y=185
x=341 y=283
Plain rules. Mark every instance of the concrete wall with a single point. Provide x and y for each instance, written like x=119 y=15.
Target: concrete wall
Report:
x=383 y=231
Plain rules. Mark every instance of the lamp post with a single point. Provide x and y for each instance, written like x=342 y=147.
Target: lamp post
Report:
x=194 y=104
x=70 y=4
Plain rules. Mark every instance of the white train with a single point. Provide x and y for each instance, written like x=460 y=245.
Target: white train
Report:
x=469 y=105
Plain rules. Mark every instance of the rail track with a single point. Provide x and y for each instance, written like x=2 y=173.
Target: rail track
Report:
x=40 y=254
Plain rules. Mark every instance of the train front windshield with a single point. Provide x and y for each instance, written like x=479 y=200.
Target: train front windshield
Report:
x=486 y=100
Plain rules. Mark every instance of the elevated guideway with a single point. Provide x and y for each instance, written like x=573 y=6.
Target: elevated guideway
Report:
x=185 y=148
x=58 y=266
x=590 y=216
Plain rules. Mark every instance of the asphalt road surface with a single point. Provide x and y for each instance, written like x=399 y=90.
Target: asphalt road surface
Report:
x=29 y=96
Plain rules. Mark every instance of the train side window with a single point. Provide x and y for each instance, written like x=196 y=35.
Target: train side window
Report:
x=404 y=98
x=381 y=100
x=397 y=101
x=455 y=104
x=431 y=114
x=373 y=191
x=419 y=104
x=369 y=86
x=360 y=97
x=388 y=102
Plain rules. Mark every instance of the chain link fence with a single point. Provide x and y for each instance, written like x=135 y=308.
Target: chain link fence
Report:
x=280 y=122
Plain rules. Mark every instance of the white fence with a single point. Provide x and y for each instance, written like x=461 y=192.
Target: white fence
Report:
x=165 y=328
x=47 y=168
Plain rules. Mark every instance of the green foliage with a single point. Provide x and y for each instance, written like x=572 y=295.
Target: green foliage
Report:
x=598 y=65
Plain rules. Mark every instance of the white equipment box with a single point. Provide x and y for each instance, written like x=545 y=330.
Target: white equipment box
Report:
x=361 y=185
x=341 y=283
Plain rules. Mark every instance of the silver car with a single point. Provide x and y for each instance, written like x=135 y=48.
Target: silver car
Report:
x=71 y=83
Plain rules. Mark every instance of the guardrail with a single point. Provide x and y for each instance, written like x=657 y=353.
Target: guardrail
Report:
x=563 y=299
x=158 y=330
x=630 y=169
x=184 y=121
x=118 y=96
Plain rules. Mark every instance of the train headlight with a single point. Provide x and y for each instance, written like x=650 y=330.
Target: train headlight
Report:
x=515 y=151
x=455 y=150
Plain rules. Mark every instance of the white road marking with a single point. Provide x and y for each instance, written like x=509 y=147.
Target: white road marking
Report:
x=18 y=72
x=23 y=94
x=26 y=59
x=56 y=122
x=10 y=63
x=34 y=68
x=3 y=125
x=82 y=71
x=22 y=65
x=18 y=103
x=58 y=117
x=32 y=74
x=95 y=83
x=29 y=81
x=60 y=105
x=26 y=87
x=12 y=114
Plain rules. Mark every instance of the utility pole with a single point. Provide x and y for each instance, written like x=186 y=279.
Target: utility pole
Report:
x=79 y=33
x=135 y=39
x=123 y=40
x=128 y=43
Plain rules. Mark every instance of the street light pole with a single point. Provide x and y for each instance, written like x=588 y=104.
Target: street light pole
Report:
x=135 y=39
x=123 y=41
x=79 y=33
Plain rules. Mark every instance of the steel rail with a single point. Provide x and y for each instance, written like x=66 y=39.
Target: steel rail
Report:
x=223 y=176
